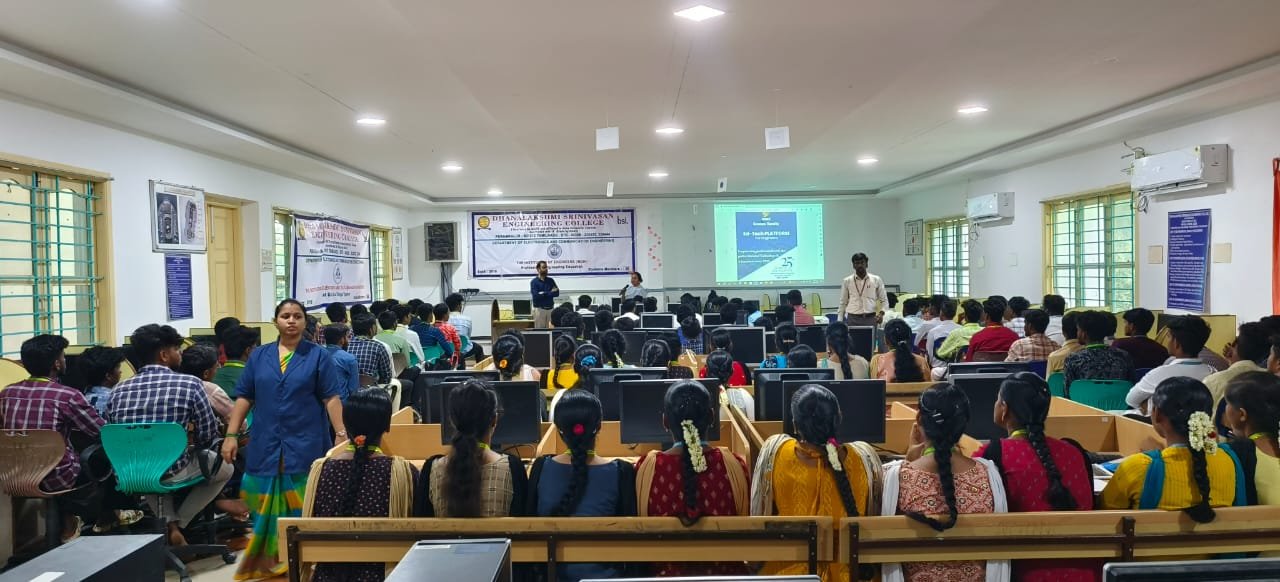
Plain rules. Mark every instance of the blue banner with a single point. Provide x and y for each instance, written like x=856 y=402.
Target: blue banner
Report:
x=1188 y=268
x=177 y=286
x=762 y=238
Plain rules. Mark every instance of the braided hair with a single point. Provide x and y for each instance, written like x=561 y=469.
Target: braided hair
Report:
x=1177 y=398
x=577 y=419
x=604 y=320
x=587 y=357
x=898 y=334
x=508 y=356
x=720 y=366
x=944 y=412
x=803 y=356
x=367 y=416
x=816 y=414
x=655 y=354
x=688 y=400
x=562 y=351
x=613 y=344
x=785 y=337
x=473 y=409
x=572 y=322
x=1027 y=397
x=838 y=343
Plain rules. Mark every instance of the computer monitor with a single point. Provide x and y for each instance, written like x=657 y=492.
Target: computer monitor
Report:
x=815 y=336
x=604 y=383
x=426 y=396
x=521 y=405
x=522 y=308
x=959 y=368
x=710 y=319
x=616 y=304
x=537 y=348
x=983 y=390
x=768 y=387
x=635 y=345
x=588 y=326
x=861 y=408
x=641 y=407
x=658 y=321
x=861 y=339
x=459 y=560
x=1234 y=570
x=770 y=342
x=783 y=299
x=748 y=343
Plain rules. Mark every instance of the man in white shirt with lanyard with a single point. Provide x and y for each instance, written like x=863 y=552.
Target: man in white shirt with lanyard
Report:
x=862 y=295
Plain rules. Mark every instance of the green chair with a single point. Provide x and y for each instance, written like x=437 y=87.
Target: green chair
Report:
x=1100 y=394
x=141 y=453
x=1058 y=385
x=431 y=355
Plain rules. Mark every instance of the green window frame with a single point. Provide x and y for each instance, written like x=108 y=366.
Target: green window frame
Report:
x=379 y=262
x=282 y=247
x=1090 y=249
x=947 y=256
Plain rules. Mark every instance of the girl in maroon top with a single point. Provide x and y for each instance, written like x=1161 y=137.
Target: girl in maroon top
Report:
x=1040 y=473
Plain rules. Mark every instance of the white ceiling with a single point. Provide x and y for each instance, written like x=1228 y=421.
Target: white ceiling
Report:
x=514 y=89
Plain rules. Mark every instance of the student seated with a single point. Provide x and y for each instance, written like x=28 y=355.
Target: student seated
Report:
x=1035 y=347
x=472 y=480
x=1144 y=351
x=848 y=366
x=911 y=314
x=800 y=316
x=396 y=343
x=815 y=475
x=994 y=336
x=612 y=345
x=337 y=337
x=722 y=340
x=692 y=479
x=1096 y=361
x=201 y=361
x=656 y=353
x=630 y=309
x=1198 y=474
x=360 y=481
x=220 y=329
x=1253 y=415
x=900 y=364
x=99 y=368
x=1015 y=316
x=373 y=357
x=785 y=337
x=577 y=483
x=508 y=360
x=586 y=358
x=404 y=318
x=571 y=323
x=690 y=335
x=1251 y=344
x=604 y=320
x=429 y=336
x=1187 y=335
x=938 y=329
x=802 y=356
x=625 y=324
x=562 y=374
x=959 y=337
x=239 y=343
x=1067 y=327
x=936 y=476
x=720 y=365
x=1056 y=307
x=1040 y=473
x=158 y=394
x=584 y=306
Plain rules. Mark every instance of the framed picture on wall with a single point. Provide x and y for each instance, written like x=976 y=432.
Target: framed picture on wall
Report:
x=177 y=218
x=397 y=254
x=915 y=237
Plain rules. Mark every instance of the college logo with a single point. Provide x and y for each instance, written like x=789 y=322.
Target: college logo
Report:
x=337 y=275
x=483 y=223
x=764 y=215
x=554 y=251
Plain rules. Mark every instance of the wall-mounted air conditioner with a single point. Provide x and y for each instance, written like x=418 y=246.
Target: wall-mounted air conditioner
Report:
x=989 y=207
x=1181 y=170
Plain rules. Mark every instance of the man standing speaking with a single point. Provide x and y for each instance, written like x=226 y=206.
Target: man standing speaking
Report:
x=544 y=291
x=862 y=295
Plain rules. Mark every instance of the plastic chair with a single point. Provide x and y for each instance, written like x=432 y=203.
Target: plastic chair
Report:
x=815 y=303
x=1100 y=394
x=398 y=364
x=1058 y=384
x=832 y=318
x=766 y=303
x=431 y=354
x=1040 y=367
x=11 y=372
x=141 y=453
x=26 y=457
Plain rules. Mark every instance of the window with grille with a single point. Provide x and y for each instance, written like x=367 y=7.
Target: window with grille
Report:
x=947 y=269
x=48 y=268
x=281 y=243
x=380 y=259
x=1090 y=249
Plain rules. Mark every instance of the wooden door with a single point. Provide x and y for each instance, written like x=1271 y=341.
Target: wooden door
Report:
x=226 y=290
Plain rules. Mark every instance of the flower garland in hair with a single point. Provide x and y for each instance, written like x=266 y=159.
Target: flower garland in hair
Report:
x=833 y=454
x=694 y=443
x=1200 y=433
x=724 y=397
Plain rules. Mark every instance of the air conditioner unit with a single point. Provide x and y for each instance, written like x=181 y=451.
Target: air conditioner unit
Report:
x=989 y=207
x=1180 y=170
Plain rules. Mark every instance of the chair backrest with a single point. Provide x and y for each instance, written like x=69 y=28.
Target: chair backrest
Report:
x=466 y=344
x=1101 y=394
x=140 y=453
x=933 y=351
x=127 y=371
x=432 y=353
x=990 y=356
x=367 y=380
x=815 y=303
x=766 y=303
x=26 y=457
x=11 y=372
x=1040 y=367
x=399 y=362
x=1058 y=384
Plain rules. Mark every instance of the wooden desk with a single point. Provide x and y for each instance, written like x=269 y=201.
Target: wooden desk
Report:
x=609 y=441
x=501 y=325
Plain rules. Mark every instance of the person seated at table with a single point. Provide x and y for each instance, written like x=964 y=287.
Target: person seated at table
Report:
x=201 y=361
x=572 y=323
x=690 y=335
x=657 y=354
x=722 y=340
x=802 y=356
x=239 y=343
x=1198 y=474
x=1144 y=351
x=1253 y=415
x=99 y=368
x=508 y=360
x=586 y=358
x=613 y=344
x=604 y=320
x=1187 y=336
x=900 y=364
x=815 y=475
x=1096 y=361
x=785 y=337
x=722 y=367
x=848 y=366
x=1034 y=346
x=472 y=480
x=1040 y=473
x=994 y=336
x=579 y=483
x=692 y=479
x=360 y=481
x=430 y=336
x=562 y=374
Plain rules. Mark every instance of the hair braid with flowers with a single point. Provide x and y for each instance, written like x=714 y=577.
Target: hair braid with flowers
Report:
x=1186 y=403
x=816 y=414
x=689 y=415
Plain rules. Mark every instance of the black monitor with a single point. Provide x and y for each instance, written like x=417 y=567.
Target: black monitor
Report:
x=960 y=368
x=783 y=300
x=771 y=342
x=616 y=303
x=748 y=343
x=604 y=383
x=520 y=420
x=537 y=348
x=658 y=321
x=1234 y=570
x=983 y=390
x=635 y=345
x=641 y=408
x=768 y=387
x=861 y=339
x=522 y=308
x=815 y=336
x=861 y=408
x=710 y=319
x=588 y=326
x=426 y=397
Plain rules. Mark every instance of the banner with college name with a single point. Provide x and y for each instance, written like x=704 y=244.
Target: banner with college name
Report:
x=574 y=243
x=330 y=261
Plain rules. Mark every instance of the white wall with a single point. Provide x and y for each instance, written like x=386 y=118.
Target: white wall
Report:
x=133 y=160
x=1241 y=214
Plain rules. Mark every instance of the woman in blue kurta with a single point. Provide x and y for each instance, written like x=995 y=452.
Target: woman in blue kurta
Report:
x=289 y=384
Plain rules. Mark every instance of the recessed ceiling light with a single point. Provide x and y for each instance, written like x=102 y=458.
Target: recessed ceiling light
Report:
x=371 y=121
x=669 y=130
x=658 y=174
x=451 y=167
x=971 y=110
x=495 y=192
x=867 y=160
x=699 y=13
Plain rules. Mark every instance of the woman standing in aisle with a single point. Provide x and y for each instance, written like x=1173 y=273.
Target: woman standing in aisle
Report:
x=290 y=384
